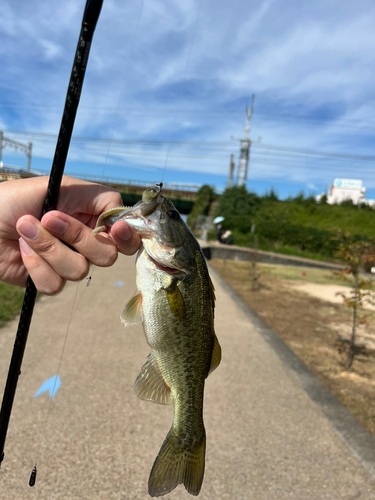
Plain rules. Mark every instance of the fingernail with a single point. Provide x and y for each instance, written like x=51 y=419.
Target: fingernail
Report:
x=124 y=232
x=25 y=247
x=56 y=226
x=28 y=230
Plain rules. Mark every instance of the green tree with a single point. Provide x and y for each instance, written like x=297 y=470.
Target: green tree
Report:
x=236 y=201
x=271 y=195
x=348 y=203
x=206 y=196
x=355 y=255
x=300 y=198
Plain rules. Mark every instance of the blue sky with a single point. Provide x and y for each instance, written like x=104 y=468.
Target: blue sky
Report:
x=167 y=84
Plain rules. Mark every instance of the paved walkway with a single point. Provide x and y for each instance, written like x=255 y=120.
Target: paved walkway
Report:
x=266 y=439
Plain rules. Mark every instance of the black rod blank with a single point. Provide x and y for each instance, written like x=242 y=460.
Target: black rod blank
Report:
x=90 y=18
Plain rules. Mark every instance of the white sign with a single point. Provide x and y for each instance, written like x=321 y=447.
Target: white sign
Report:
x=347 y=183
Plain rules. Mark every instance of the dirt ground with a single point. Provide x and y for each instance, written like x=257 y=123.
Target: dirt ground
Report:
x=325 y=292
x=302 y=308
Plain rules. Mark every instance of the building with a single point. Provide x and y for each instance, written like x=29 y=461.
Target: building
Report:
x=347 y=190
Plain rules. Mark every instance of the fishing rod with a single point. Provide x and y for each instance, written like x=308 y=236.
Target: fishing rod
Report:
x=90 y=18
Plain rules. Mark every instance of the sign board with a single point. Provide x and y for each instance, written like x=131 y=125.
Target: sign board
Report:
x=347 y=183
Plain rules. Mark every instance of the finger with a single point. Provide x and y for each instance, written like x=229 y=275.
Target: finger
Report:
x=83 y=199
x=100 y=250
x=12 y=270
x=46 y=280
x=126 y=238
x=67 y=263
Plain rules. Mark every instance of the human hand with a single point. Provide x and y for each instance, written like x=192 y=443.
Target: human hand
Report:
x=30 y=246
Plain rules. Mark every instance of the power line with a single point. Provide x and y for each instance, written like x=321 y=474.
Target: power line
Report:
x=121 y=141
x=208 y=144
x=316 y=153
x=213 y=153
x=261 y=115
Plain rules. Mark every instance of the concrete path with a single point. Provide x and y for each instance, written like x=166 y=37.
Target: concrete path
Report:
x=266 y=439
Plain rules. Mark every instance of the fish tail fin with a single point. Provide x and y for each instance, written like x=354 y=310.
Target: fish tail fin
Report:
x=175 y=465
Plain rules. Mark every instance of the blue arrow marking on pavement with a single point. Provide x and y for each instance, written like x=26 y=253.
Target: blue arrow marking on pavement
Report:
x=52 y=385
x=119 y=283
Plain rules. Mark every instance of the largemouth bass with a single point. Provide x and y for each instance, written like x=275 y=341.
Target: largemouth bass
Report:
x=175 y=301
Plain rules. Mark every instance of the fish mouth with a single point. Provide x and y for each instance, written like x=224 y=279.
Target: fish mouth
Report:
x=166 y=269
x=173 y=271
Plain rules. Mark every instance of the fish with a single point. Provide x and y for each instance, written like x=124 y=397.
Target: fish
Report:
x=175 y=302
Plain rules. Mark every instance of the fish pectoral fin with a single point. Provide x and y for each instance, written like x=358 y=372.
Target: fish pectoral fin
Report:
x=150 y=384
x=133 y=312
x=216 y=355
x=175 y=300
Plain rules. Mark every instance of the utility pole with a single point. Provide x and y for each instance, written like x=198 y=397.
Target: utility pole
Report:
x=231 y=172
x=1 y=146
x=28 y=154
x=245 y=144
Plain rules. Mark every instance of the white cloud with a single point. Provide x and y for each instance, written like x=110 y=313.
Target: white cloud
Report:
x=51 y=49
x=310 y=65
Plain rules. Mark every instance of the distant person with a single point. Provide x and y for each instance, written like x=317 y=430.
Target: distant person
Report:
x=223 y=237
x=219 y=233
x=226 y=237
x=30 y=246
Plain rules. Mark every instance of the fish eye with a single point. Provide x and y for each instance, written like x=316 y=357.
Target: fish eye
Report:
x=174 y=215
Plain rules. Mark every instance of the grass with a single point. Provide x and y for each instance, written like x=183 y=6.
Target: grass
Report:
x=286 y=250
x=11 y=298
x=295 y=273
x=295 y=251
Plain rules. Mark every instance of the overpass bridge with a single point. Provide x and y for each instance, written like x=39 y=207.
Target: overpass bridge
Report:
x=182 y=195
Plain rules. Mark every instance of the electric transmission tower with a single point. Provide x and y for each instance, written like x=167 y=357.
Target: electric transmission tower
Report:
x=245 y=144
x=17 y=146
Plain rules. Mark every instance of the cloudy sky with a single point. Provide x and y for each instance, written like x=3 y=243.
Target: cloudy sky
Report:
x=168 y=82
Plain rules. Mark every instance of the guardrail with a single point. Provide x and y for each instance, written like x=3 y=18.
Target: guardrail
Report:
x=231 y=252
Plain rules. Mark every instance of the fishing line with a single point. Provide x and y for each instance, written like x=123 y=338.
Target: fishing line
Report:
x=88 y=283
x=76 y=304
x=114 y=127
x=89 y=278
x=32 y=479
x=122 y=93
x=124 y=85
x=179 y=103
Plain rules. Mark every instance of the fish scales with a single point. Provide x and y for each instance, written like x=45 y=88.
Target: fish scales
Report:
x=176 y=354
x=175 y=302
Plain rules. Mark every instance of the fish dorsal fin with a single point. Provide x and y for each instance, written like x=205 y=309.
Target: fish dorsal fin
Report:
x=212 y=290
x=202 y=266
x=175 y=300
x=133 y=313
x=150 y=384
x=216 y=355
